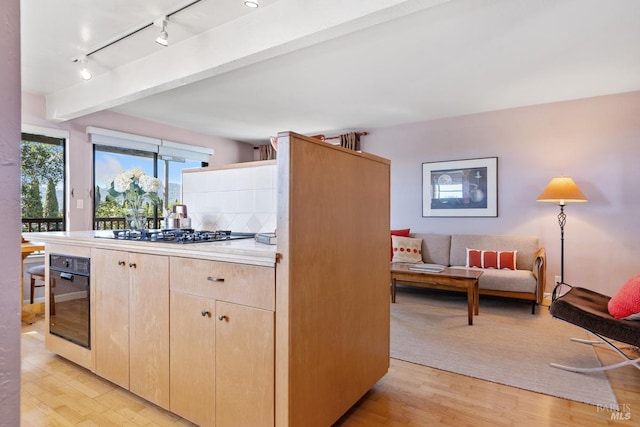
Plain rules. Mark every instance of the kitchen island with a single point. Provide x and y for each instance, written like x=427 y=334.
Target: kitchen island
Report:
x=241 y=333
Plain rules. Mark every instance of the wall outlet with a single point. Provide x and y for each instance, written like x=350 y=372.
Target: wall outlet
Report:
x=558 y=279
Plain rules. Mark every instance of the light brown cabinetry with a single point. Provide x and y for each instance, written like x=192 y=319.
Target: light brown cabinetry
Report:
x=132 y=322
x=222 y=353
x=321 y=295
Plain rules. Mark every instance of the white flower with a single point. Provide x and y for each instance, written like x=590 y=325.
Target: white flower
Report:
x=135 y=173
x=133 y=185
x=121 y=182
x=149 y=184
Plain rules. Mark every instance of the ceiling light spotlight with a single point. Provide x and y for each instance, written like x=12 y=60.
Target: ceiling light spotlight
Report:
x=162 y=39
x=84 y=71
x=252 y=4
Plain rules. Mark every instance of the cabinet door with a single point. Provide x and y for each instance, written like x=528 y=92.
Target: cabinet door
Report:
x=193 y=358
x=111 y=287
x=244 y=366
x=149 y=327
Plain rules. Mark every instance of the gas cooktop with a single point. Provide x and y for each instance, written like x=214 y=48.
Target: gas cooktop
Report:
x=179 y=235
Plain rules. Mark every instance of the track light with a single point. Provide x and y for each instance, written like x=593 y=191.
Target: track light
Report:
x=84 y=71
x=162 y=39
x=252 y=4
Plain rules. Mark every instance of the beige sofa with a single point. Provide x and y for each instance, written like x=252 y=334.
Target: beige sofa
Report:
x=527 y=282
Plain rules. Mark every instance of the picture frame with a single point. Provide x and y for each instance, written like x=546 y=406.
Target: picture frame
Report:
x=460 y=188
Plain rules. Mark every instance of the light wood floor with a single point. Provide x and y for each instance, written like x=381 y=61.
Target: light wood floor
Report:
x=56 y=392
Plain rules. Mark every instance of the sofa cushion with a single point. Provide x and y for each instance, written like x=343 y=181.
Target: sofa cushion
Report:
x=406 y=249
x=435 y=247
x=405 y=232
x=508 y=280
x=474 y=258
x=527 y=247
x=507 y=260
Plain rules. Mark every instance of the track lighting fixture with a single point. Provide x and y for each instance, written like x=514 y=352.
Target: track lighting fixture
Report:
x=250 y=3
x=162 y=39
x=84 y=71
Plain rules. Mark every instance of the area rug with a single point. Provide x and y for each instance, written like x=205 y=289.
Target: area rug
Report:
x=505 y=344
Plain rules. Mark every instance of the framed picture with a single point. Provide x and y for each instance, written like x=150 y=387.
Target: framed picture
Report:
x=460 y=188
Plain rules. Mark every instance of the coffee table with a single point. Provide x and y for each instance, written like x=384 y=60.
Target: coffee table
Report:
x=451 y=278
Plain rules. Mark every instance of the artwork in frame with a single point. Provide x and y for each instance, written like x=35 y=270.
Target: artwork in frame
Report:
x=460 y=188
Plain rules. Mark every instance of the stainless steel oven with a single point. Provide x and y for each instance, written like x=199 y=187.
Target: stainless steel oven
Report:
x=69 y=301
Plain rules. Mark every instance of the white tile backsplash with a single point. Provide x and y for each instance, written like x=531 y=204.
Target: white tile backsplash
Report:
x=237 y=199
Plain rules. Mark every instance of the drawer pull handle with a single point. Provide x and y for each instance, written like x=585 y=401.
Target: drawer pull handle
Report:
x=132 y=264
x=222 y=317
x=215 y=279
x=205 y=313
x=121 y=262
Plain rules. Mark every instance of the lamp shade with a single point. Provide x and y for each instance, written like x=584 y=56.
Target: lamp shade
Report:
x=561 y=190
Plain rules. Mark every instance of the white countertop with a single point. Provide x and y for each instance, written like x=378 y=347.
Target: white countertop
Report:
x=244 y=251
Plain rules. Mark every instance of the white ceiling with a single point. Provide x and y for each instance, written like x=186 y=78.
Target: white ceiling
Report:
x=325 y=66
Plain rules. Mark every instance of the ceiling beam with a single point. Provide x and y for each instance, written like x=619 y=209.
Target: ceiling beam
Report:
x=281 y=28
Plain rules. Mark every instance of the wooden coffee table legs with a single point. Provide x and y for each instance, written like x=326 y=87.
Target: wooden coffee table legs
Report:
x=471 y=285
x=473 y=300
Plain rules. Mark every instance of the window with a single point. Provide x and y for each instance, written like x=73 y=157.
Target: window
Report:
x=109 y=161
x=42 y=183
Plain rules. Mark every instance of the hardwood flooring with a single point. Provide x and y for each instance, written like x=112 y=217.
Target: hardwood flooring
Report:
x=56 y=392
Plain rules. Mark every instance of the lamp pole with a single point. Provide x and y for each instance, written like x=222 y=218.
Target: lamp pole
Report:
x=562 y=220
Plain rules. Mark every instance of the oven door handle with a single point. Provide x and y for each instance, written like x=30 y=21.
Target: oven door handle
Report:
x=67 y=276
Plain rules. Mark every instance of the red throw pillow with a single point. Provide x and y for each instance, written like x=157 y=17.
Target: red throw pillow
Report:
x=490 y=259
x=404 y=232
x=626 y=301
x=474 y=258
x=507 y=260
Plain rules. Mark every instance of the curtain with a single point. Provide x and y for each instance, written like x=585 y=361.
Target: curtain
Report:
x=267 y=152
x=350 y=141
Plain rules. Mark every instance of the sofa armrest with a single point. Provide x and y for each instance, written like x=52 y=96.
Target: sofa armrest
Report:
x=539 y=272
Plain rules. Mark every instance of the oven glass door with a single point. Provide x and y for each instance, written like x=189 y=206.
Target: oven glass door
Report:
x=69 y=307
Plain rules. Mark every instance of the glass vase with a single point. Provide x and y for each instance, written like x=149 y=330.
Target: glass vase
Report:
x=136 y=218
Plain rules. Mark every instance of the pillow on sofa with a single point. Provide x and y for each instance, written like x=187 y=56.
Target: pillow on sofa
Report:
x=404 y=232
x=474 y=258
x=504 y=260
x=626 y=302
x=406 y=249
x=507 y=260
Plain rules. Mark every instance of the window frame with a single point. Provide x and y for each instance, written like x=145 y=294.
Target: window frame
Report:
x=52 y=137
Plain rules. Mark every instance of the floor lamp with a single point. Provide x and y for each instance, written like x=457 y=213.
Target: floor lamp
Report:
x=562 y=190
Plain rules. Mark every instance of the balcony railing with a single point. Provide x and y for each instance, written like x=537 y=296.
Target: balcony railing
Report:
x=42 y=224
x=119 y=223
x=57 y=224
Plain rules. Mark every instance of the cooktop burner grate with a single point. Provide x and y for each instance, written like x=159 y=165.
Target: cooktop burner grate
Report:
x=180 y=236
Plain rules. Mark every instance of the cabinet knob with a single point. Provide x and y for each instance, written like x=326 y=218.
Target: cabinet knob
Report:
x=132 y=264
x=222 y=317
x=121 y=262
x=205 y=313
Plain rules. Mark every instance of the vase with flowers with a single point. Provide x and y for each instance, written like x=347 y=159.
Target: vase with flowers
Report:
x=135 y=188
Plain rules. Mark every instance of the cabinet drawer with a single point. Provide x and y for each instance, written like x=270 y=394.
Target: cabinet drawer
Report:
x=239 y=283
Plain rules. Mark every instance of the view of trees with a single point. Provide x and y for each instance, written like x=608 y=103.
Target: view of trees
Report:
x=41 y=163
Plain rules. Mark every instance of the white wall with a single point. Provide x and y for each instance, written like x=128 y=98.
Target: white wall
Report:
x=10 y=202
x=241 y=199
x=80 y=155
x=596 y=141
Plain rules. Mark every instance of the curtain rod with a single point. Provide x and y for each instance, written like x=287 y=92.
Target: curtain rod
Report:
x=336 y=137
x=256 y=147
